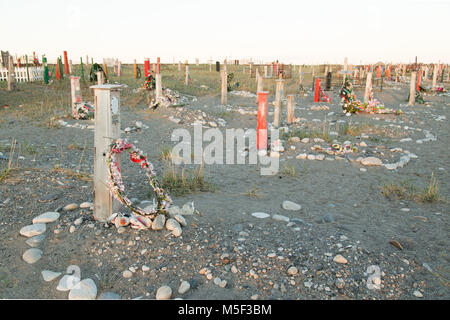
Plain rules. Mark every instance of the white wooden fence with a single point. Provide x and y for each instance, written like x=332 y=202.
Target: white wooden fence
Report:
x=36 y=73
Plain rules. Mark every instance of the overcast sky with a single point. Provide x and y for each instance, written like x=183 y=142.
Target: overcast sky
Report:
x=290 y=31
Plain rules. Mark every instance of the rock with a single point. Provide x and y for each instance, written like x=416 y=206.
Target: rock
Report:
x=177 y=231
x=295 y=139
x=291 y=206
x=223 y=283
x=85 y=205
x=217 y=281
x=418 y=294
x=363 y=144
x=109 y=296
x=71 y=207
x=305 y=140
x=158 y=223
x=145 y=268
x=311 y=157
x=67 y=282
x=72 y=229
x=260 y=215
x=320 y=157
x=84 y=290
x=308 y=284
x=47 y=217
x=184 y=287
x=32 y=255
x=171 y=224
x=163 y=293
x=35 y=241
x=328 y=217
x=340 y=259
x=78 y=221
x=127 y=274
x=292 y=271
x=181 y=220
x=50 y=275
x=340 y=283
x=301 y=156
x=33 y=230
x=371 y=161
x=279 y=217
x=363 y=169
x=173 y=211
x=234 y=269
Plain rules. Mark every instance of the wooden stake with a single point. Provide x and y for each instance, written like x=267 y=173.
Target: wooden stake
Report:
x=100 y=79
x=11 y=75
x=368 y=87
x=158 y=86
x=186 y=80
x=435 y=74
x=107 y=128
x=135 y=69
x=119 y=69
x=290 y=109
x=75 y=92
x=224 y=91
x=412 y=89
x=278 y=101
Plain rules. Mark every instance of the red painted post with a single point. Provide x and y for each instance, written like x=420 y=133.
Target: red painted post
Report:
x=147 y=67
x=157 y=65
x=57 y=69
x=378 y=72
x=317 y=90
x=66 y=64
x=261 y=130
x=419 y=79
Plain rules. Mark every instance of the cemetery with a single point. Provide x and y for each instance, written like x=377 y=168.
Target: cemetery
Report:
x=359 y=184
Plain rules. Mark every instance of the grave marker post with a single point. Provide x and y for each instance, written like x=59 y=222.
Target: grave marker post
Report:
x=11 y=74
x=186 y=80
x=224 y=90
x=435 y=74
x=135 y=69
x=412 y=89
x=82 y=68
x=290 y=109
x=278 y=102
x=66 y=64
x=28 y=72
x=100 y=79
x=317 y=90
x=158 y=86
x=368 y=87
x=119 y=69
x=107 y=128
x=179 y=65
x=146 y=67
x=75 y=92
x=261 y=130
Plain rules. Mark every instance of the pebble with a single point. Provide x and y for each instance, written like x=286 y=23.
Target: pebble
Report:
x=320 y=157
x=127 y=274
x=181 y=220
x=308 y=284
x=291 y=206
x=67 y=282
x=32 y=255
x=158 y=223
x=177 y=231
x=223 y=284
x=35 y=241
x=260 y=215
x=85 y=205
x=279 y=217
x=46 y=217
x=217 y=281
x=72 y=229
x=171 y=224
x=50 y=275
x=340 y=259
x=184 y=287
x=84 y=290
x=371 y=161
x=340 y=283
x=292 y=271
x=71 y=207
x=33 y=230
x=311 y=157
x=328 y=217
x=145 y=268
x=301 y=156
x=109 y=296
x=163 y=293
x=234 y=269
x=78 y=221
x=418 y=294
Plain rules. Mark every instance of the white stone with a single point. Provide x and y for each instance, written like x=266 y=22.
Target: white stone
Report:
x=163 y=293
x=33 y=230
x=72 y=229
x=305 y=140
x=279 y=217
x=181 y=220
x=50 y=275
x=145 y=268
x=292 y=271
x=171 y=224
x=47 y=217
x=67 y=282
x=340 y=259
x=363 y=144
x=371 y=161
x=184 y=287
x=311 y=157
x=127 y=274
x=320 y=157
x=260 y=215
x=71 y=207
x=35 y=241
x=84 y=290
x=301 y=156
x=291 y=206
x=85 y=205
x=177 y=231
x=32 y=255
x=158 y=223
x=418 y=294
x=78 y=221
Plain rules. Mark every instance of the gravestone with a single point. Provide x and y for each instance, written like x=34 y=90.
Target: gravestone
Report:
x=217 y=66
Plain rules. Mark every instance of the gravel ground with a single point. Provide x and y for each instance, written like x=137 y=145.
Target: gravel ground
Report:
x=343 y=212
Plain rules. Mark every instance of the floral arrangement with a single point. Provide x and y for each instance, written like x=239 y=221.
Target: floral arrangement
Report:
x=324 y=97
x=83 y=111
x=150 y=83
x=139 y=218
x=347 y=96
